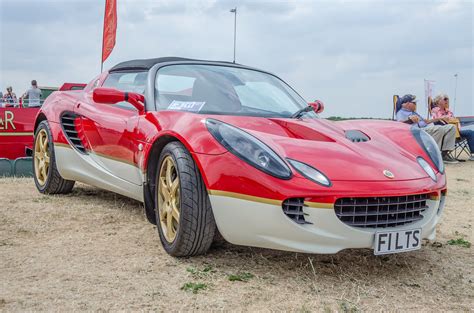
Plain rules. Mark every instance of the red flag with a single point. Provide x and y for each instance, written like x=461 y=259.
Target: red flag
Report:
x=110 y=28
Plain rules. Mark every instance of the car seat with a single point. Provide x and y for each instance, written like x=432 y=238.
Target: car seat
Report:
x=218 y=94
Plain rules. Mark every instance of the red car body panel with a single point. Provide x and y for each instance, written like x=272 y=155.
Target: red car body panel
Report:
x=117 y=133
x=195 y=136
x=125 y=130
x=72 y=86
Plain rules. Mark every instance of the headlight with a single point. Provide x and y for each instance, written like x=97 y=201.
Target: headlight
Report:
x=427 y=168
x=310 y=173
x=248 y=148
x=430 y=147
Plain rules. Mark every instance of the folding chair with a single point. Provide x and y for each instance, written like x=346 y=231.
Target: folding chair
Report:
x=460 y=146
x=396 y=106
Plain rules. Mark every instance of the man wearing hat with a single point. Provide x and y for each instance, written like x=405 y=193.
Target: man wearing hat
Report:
x=444 y=135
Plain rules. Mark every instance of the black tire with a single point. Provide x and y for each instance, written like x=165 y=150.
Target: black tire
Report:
x=54 y=183
x=197 y=227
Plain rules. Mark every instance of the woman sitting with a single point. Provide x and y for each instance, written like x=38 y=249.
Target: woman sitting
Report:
x=441 y=109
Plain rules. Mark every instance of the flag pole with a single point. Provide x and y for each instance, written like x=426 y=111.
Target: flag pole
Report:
x=455 y=89
x=235 y=30
x=234 y=10
x=103 y=31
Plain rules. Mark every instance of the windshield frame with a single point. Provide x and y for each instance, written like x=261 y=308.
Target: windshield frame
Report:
x=153 y=73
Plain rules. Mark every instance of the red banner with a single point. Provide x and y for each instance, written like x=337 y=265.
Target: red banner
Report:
x=110 y=28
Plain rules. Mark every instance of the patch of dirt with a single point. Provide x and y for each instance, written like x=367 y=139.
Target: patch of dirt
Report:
x=94 y=250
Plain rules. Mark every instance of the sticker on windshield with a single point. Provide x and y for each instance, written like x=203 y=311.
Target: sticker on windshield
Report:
x=190 y=106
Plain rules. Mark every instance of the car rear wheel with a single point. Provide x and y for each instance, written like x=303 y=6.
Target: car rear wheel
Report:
x=46 y=175
x=183 y=211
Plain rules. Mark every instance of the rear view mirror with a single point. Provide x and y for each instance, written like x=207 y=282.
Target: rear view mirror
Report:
x=317 y=105
x=113 y=96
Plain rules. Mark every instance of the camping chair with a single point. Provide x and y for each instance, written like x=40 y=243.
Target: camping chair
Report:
x=396 y=106
x=461 y=145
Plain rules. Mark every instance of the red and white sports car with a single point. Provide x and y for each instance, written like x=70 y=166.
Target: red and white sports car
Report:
x=216 y=147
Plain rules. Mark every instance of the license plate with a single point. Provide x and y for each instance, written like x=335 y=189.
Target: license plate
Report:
x=397 y=241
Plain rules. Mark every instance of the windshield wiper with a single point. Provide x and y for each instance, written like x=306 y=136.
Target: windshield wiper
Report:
x=301 y=112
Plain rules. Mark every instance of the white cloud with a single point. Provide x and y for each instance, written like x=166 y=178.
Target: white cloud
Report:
x=354 y=55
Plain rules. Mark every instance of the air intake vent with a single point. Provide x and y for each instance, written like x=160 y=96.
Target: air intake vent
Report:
x=356 y=136
x=381 y=212
x=69 y=127
x=293 y=208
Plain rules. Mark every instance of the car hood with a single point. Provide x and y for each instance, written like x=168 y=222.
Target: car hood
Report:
x=323 y=145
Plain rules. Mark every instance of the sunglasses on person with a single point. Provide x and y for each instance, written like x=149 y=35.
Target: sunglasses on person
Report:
x=446 y=99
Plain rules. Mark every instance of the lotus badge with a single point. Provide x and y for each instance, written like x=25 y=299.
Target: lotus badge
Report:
x=388 y=174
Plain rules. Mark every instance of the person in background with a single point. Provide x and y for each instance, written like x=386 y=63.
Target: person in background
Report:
x=441 y=110
x=444 y=135
x=33 y=95
x=10 y=98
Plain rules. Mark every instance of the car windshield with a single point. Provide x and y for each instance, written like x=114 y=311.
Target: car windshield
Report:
x=225 y=90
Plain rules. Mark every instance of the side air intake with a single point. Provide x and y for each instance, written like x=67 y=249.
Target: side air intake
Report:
x=69 y=127
x=293 y=208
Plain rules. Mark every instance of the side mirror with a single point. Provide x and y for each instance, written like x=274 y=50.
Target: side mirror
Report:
x=318 y=106
x=113 y=96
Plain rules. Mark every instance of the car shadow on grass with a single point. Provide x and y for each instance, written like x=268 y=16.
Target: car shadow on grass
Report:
x=106 y=198
x=349 y=260
x=356 y=265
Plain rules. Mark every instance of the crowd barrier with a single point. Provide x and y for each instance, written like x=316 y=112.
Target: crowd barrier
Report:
x=21 y=103
x=21 y=167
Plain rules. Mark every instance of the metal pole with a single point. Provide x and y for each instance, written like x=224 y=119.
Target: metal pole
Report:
x=234 y=10
x=455 y=89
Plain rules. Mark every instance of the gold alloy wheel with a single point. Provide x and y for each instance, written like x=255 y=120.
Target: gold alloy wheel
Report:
x=168 y=199
x=42 y=157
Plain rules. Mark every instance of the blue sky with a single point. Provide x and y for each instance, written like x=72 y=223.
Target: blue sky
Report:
x=353 y=55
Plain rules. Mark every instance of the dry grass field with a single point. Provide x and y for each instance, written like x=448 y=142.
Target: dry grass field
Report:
x=93 y=250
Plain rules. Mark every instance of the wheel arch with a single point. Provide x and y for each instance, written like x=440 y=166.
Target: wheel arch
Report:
x=151 y=166
x=39 y=118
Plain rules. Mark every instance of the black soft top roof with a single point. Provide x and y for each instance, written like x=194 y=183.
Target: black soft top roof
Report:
x=146 y=64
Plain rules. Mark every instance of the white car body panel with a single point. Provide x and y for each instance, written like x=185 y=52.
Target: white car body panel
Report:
x=75 y=166
x=258 y=224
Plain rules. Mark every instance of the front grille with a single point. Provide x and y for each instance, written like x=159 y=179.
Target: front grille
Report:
x=293 y=208
x=68 y=123
x=381 y=212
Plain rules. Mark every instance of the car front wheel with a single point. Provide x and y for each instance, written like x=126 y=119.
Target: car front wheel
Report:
x=183 y=211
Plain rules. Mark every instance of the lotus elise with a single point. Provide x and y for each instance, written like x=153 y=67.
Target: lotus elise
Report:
x=215 y=148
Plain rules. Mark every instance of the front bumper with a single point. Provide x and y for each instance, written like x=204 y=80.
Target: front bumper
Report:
x=254 y=222
x=247 y=206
